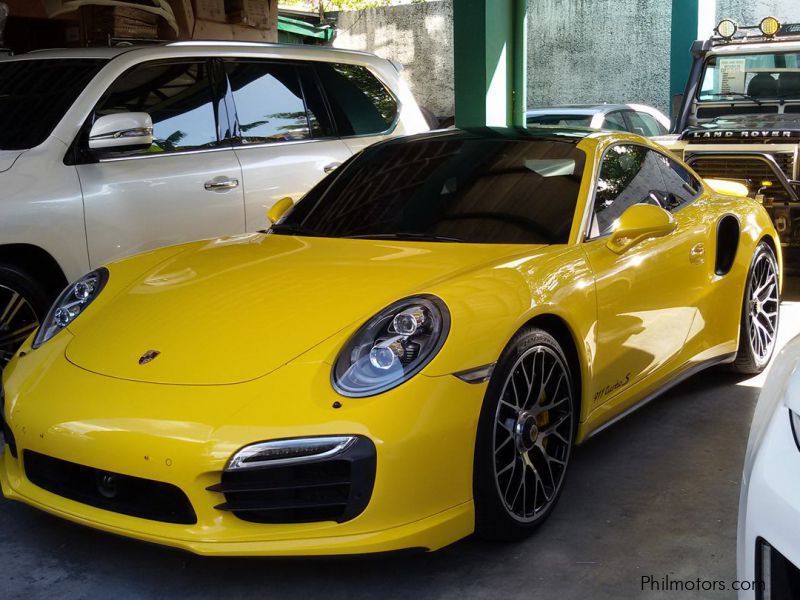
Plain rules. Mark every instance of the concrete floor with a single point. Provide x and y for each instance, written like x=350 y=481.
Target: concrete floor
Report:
x=656 y=495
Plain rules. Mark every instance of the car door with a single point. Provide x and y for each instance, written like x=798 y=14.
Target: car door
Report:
x=285 y=139
x=646 y=296
x=185 y=186
x=363 y=109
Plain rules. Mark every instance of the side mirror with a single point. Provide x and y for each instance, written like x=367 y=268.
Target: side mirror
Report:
x=728 y=188
x=640 y=222
x=279 y=209
x=122 y=131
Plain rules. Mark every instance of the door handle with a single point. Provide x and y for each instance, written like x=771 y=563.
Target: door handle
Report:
x=331 y=167
x=220 y=184
x=697 y=254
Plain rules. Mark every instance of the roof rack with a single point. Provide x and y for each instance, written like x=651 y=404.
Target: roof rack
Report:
x=769 y=29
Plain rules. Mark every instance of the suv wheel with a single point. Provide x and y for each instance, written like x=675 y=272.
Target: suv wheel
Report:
x=23 y=304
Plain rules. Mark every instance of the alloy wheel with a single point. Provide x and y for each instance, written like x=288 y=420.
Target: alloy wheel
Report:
x=17 y=321
x=533 y=432
x=762 y=307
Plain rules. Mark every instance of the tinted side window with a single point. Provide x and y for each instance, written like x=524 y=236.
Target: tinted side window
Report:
x=178 y=97
x=269 y=101
x=615 y=122
x=629 y=175
x=644 y=124
x=318 y=116
x=360 y=103
x=680 y=186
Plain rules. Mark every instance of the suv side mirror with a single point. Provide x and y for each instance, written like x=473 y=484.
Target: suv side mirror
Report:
x=122 y=131
x=640 y=222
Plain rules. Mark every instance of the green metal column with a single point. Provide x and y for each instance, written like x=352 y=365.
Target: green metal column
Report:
x=685 y=18
x=490 y=39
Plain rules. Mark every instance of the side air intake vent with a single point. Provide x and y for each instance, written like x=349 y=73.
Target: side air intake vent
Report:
x=727 y=244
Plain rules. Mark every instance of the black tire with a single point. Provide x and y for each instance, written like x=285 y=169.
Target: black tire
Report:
x=758 y=327
x=544 y=426
x=23 y=304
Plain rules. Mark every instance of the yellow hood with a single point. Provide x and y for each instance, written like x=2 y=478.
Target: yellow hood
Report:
x=234 y=309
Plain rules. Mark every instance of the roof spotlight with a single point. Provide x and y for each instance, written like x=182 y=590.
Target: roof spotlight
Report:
x=769 y=26
x=727 y=29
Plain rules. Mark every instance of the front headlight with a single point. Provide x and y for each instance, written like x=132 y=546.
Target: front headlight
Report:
x=72 y=302
x=392 y=347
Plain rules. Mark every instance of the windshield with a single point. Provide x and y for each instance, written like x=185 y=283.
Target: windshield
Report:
x=35 y=94
x=751 y=77
x=455 y=188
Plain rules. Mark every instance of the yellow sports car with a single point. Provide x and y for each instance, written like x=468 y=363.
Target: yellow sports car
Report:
x=407 y=356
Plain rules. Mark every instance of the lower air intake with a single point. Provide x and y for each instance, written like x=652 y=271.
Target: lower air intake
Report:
x=336 y=488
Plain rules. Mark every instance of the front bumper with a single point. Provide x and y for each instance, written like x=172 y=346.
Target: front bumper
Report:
x=423 y=432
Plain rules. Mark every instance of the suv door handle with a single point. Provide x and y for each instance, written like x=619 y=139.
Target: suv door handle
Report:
x=220 y=184
x=331 y=167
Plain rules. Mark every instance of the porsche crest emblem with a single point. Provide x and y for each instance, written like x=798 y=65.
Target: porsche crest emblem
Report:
x=148 y=356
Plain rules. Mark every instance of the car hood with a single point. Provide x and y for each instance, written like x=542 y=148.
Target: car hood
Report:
x=232 y=310
x=8 y=158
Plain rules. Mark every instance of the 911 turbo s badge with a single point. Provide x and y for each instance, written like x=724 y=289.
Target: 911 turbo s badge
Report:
x=148 y=356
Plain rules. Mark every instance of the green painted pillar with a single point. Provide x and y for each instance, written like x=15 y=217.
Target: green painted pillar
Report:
x=490 y=39
x=685 y=18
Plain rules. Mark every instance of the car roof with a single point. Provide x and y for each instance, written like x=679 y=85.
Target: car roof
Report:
x=564 y=134
x=575 y=109
x=205 y=46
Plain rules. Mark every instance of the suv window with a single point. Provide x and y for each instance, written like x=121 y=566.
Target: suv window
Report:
x=361 y=105
x=178 y=97
x=615 y=121
x=269 y=101
x=35 y=94
x=629 y=175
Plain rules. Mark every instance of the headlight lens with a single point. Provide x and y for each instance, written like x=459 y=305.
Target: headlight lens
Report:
x=71 y=303
x=392 y=347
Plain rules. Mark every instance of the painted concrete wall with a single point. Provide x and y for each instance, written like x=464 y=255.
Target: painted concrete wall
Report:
x=750 y=12
x=418 y=36
x=599 y=51
x=579 y=50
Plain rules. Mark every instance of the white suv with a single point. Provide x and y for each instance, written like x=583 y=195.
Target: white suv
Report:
x=107 y=152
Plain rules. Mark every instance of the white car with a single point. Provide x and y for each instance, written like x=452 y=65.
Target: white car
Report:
x=635 y=118
x=110 y=151
x=768 y=539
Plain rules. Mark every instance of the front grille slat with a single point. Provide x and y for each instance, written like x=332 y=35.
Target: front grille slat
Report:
x=748 y=170
x=255 y=487
x=337 y=488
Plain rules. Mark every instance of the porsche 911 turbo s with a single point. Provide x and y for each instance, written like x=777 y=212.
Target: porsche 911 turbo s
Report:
x=407 y=356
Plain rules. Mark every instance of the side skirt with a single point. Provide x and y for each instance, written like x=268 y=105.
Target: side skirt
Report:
x=680 y=378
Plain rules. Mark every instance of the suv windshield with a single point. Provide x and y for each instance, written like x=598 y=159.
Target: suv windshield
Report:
x=35 y=94
x=751 y=77
x=450 y=188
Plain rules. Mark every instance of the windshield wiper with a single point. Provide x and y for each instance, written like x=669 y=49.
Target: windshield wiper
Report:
x=294 y=230
x=423 y=237
x=738 y=95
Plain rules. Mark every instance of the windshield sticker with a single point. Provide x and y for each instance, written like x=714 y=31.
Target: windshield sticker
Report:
x=732 y=75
